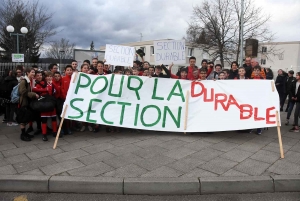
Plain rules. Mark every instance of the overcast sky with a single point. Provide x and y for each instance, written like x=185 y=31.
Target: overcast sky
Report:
x=122 y=21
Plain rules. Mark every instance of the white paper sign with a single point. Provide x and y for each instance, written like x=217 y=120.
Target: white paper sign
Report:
x=160 y=103
x=17 y=57
x=119 y=55
x=169 y=51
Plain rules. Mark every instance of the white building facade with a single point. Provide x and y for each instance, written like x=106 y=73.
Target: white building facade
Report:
x=287 y=56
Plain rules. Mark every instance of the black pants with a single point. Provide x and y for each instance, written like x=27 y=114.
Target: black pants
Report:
x=282 y=97
x=10 y=111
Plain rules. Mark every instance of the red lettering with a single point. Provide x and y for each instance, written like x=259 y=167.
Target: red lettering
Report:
x=243 y=109
x=231 y=101
x=205 y=99
x=255 y=115
x=221 y=101
x=193 y=89
x=268 y=115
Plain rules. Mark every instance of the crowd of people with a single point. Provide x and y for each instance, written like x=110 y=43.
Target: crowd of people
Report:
x=34 y=83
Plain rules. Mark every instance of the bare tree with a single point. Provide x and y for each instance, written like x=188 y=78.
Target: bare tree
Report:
x=28 y=14
x=63 y=45
x=216 y=24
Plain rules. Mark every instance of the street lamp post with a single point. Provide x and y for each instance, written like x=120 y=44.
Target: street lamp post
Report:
x=11 y=29
x=61 y=52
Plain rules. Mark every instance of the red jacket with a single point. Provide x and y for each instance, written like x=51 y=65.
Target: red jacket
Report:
x=44 y=89
x=57 y=86
x=65 y=84
x=190 y=72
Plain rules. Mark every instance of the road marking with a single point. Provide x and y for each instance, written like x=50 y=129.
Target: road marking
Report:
x=21 y=198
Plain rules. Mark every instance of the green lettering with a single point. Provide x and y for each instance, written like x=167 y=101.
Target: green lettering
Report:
x=103 y=88
x=79 y=85
x=158 y=116
x=111 y=85
x=177 y=84
x=135 y=89
x=123 y=110
x=76 y=108
x=103 y=109
x=92 y=111
x=154 y=91
x=176 y=121
x=137 y=109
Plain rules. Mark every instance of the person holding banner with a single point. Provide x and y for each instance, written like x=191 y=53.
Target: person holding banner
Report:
x=158 y=72
x=65 y=84
x=182 y=75
x=191 y=68
x=100 y=68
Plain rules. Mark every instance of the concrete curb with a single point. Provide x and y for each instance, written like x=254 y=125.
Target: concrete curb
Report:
x=161 y=186
x=287 y=183
x=150 y=186
x=24 y=183
x=69 y=184
x=234 y=185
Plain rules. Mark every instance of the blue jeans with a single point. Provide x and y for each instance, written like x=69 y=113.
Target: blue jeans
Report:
x=290 y=109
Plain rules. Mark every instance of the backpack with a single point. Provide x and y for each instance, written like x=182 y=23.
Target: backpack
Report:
x=15 y=95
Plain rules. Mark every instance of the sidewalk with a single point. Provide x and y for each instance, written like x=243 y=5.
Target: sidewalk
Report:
x=143 y=156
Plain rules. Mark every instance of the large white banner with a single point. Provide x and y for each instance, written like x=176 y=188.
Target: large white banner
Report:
x=169 y=51
x=119 y=55
x=160 y=103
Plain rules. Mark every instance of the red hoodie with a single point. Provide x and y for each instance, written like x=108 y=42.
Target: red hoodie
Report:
x=65 y=83
x=57 y=86
x=190 y=72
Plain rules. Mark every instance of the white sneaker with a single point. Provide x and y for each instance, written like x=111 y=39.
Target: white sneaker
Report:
x=90 y=128
x=82 y=128
x=287 y=122
x=9 y=124
x=14 y=124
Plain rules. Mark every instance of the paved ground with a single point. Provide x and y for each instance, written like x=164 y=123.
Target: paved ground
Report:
x=95 y=197
x=151 y=154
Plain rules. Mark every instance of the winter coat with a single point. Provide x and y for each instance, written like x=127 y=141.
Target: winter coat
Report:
x=280 y=84
x=233 y=73
x=25 y=91
x=288 y=84
x=292 y=92
x=10 y=83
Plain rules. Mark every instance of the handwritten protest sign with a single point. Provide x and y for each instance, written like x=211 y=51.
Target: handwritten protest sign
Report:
x=159 y=104
x=169 y=51
x=119 y=55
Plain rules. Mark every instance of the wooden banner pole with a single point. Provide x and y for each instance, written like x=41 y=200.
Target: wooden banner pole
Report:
x=60 y=125
x=75 y=77
x=279 y=136
x=186 y=109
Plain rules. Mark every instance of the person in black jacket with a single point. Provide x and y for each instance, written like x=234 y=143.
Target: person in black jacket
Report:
x=280 y=86
x=269 y=74
x=295 y=96
x=10 y=81
x=290 y=79
x=234 y=71
x=158 y=72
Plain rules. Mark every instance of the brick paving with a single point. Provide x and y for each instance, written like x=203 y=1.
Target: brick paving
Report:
x=151 y=154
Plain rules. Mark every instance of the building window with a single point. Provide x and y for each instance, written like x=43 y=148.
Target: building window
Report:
x=281 y=56
x=263 y=62
x=264 y=49
x=205 y=55
x=144 y=49
x=190 y=52
x=152 y=49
